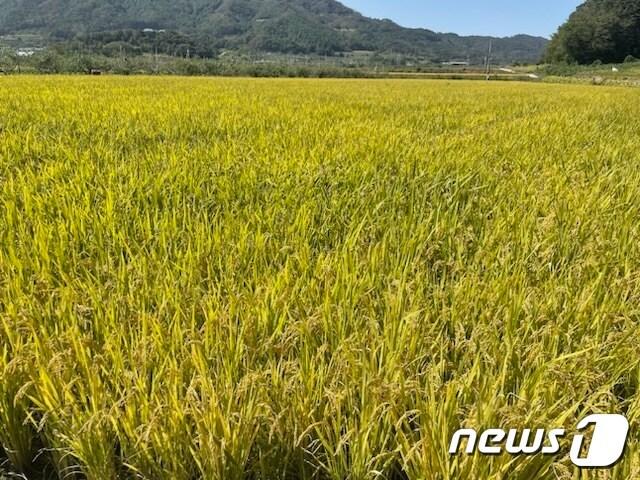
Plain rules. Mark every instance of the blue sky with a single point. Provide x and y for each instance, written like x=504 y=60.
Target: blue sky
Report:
x=473 y=17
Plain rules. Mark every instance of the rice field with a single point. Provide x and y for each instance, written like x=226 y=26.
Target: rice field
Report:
x=312 y=279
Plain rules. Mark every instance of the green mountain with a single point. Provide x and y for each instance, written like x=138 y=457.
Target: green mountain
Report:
x=287 y=26
x=599 y=30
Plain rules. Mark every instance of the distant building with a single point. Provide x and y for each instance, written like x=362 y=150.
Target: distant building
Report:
x=27 y=52
x=455 y=64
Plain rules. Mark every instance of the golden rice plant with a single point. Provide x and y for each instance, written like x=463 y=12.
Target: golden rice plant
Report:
x=312 y=279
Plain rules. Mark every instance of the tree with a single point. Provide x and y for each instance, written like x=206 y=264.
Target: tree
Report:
x=49 y=62
x=605 y=30
x=8 y=61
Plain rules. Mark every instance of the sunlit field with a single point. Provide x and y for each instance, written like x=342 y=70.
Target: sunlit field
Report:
x=228 y=279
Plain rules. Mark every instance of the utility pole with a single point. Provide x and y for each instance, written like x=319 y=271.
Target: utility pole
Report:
x=489 y=60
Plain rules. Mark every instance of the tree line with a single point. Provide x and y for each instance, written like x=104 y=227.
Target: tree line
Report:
x=606 y=31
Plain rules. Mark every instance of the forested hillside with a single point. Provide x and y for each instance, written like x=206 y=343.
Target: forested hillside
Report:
x=321 y=27
x=599 y=30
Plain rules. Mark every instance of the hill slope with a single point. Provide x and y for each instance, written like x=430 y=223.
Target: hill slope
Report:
x=604 y=30
x=300 y=26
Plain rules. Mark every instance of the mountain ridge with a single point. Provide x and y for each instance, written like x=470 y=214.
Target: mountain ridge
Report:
x=285 y=26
